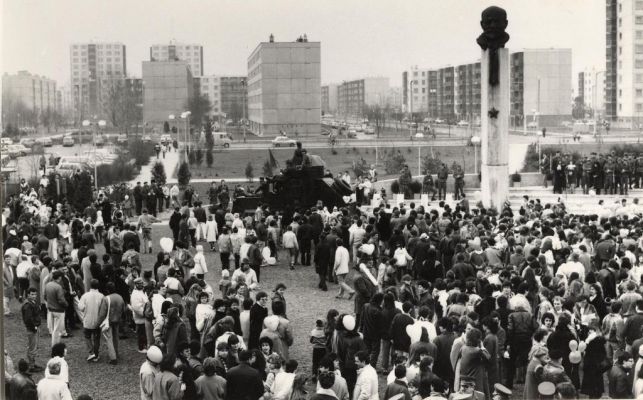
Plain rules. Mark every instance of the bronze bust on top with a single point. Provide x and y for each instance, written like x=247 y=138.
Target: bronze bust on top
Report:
x=494 y=22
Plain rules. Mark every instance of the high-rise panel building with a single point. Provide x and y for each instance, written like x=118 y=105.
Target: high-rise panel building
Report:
x=210 y=87
x=467 y=92
x=91 y=65
x=540 y=80
x=624 y=62
x=36 y=93
x=591 y=89
x=234 y=97
x=168 y=86
x=541 y=83
x=190 y=53
x=329 y=95
x=284 y=88
x=354 y=96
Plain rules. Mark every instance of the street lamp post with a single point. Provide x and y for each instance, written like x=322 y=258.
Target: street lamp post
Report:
x=243 y=107
x=475 y=140
x=411 y=109
x=186 y=116
x=171 y=117
x=101 y=123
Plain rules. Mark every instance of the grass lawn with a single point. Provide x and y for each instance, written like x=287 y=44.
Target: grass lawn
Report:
x=228 y=164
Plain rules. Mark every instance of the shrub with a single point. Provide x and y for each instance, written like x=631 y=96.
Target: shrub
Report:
x=198 y=157
x=395 y=187
x=119 y=171
x=191 y=157
x=158 y=173
x=394 y=162
x=249 y=171
x=360 y=168
x=431 y=165
x=355 y=150
x=409 y=150
x=184 y=175
x=415 y=186
x=209 y=159
x=80 y=196
x=267 y=168
x=140 y=152
x=333 y=152
x=166 y=127
x=515 y=177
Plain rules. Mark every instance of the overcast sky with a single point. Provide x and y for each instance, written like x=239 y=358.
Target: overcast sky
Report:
x=358 y=38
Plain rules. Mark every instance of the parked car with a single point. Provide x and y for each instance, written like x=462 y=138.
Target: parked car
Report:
x=121 y=139
x=146 y=138
x=16 y=150
x=100 y=141
x=6 y=141
x=439 y=121
x=463 y=123
x=369 y=130
x=532 y=124
x=281 y=141
x=419 y=135
x=68 y=141
x=27 y=142
x=46 y=142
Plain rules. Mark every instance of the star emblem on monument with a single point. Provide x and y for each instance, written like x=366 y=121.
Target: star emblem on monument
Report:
x=493 y=113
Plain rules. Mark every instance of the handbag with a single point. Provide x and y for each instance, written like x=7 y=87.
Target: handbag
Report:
x=104 y=326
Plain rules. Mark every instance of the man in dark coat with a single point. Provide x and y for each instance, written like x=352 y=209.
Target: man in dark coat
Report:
x=322 y=261
x=364 y=289
x=372 y=326
x=243 y=381
x=304 y=237
x=175 y=221
x=138 y=197
x=258 y=312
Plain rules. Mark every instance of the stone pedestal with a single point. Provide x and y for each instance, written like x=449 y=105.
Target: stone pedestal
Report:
x=495 y=132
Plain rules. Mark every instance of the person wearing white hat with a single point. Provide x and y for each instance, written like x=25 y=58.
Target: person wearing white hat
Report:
x=148 y=372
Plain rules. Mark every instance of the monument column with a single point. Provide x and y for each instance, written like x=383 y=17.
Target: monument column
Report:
x=494 y=113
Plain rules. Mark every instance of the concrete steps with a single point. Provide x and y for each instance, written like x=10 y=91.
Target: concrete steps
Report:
x=577 y=203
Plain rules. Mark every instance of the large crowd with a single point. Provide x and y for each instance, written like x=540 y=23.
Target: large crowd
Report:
x=449 y=301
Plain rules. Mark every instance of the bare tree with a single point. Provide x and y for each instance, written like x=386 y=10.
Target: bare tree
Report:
x=121 y=106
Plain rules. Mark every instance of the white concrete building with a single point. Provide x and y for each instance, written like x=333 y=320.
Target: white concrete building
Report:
x=188 y=52
x=284 y=88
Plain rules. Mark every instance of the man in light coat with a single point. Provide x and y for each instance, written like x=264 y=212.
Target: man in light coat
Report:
x=366 y=385
x=137 y=305
x=340 y=269
x=94 y=308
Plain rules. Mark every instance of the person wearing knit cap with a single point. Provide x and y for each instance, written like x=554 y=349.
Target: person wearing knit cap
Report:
x=148 y=372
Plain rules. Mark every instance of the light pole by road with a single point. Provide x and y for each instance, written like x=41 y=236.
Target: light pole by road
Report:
x=186 y=116
x=411 y=109
x=243 y=107
x=101 y=123
x=475 y=140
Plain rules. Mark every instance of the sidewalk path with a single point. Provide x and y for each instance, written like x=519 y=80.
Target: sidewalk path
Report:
x=170 y=162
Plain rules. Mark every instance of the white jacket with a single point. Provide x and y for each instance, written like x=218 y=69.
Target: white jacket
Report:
x=211 y=231
x=200 y=267
x=366 y=385
x=282 y=385
x=137 y=304
x=341 y=260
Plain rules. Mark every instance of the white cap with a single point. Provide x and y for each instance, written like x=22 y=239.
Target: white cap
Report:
x=349 y=322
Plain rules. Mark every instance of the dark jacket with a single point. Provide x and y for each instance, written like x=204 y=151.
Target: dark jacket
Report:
x=395 y=388
x=243 y=383
x=257 y=315
x=632 y=328
x=401 y=341
x=175 y=220
x=373 y=323
x=31 y=316
x=387 y=320
x=520 y=327
x=19 y=384
x=322 y=257
x=349 y=344
x=620 y=383
x=55 y=297
x=364 y=289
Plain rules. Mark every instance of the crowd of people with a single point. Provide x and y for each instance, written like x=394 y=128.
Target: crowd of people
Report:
x=448 y=301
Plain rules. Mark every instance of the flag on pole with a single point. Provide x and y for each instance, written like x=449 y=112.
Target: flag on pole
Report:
x=272 y=159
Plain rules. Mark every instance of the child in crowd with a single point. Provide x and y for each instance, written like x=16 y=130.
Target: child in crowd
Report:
x=318 y=340
x=224 y=283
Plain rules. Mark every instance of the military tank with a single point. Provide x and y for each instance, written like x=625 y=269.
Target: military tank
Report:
x=296 y=186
